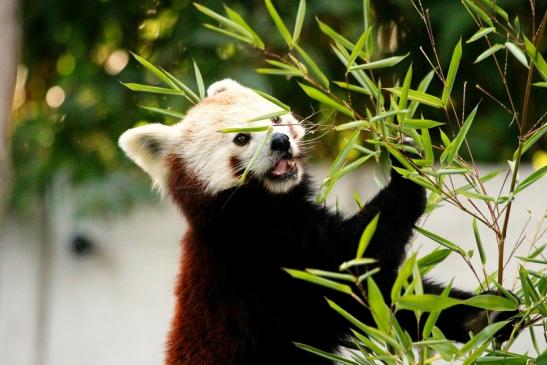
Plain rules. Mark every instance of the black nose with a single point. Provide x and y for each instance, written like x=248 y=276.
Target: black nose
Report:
x=280 y=142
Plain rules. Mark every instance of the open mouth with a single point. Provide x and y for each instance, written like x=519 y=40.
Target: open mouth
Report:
x=283 y=169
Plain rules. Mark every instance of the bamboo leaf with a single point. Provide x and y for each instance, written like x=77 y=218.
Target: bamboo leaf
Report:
x=452 y=71
x=358 y=47
x=403 y=98
x=422 y=123
x=331 y=284
x=327 y=355
x=380 y=311
x=231 y=26
x=299 y=21
x=440 y=240
x=279 y=23
x=480 y=33
x=199 y=81
x=402 y=276
x=311 y=63
x=267 y=116
x=535 y=176
x=517 y=52
x=261 y=128
x=332 y=34
x=426 y=302
x=434 y=258
x=383 y=63
x=332 y=275
x=190 y=95
x=489 y=52
x=233 y=15
x=366 y=236
x=352 y=87
x=428 y=147
x=228 y=33
x=477 y=10
x=451 y=152
x=280 y=72
x=486 y=334
x=323 y=98
x=273 y=100
x=167 y=112
x=530 y=141
x=152 y=89
x=422 y=87
x=419 y=97
x=259 y=149
x=491 y=302
x=433 y=316
x=478 y=241
x=156 y=71
x=536 y=58
x=356 y=262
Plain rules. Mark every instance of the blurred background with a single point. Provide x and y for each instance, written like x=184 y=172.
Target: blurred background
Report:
x=88 y=253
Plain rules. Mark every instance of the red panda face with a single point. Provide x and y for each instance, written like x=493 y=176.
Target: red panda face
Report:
x=219 y=159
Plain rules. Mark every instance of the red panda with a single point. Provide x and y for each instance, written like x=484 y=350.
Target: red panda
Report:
x=234 y=304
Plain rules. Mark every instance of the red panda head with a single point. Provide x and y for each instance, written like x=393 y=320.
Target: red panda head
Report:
x=215 y=159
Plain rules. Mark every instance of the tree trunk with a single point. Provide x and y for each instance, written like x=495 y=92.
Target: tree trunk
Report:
x=8 y=59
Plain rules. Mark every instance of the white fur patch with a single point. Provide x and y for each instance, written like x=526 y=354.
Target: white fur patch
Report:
x=207 y=152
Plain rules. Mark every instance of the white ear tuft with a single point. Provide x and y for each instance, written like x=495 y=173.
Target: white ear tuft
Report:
x=223 y=85
x=148 y=146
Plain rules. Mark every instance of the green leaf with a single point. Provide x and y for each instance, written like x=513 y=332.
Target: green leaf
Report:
x=434 y=316
x=358 y=48
x=302 y=275
x=152 y=89
x=366 y=236
x=356 y=262
x=419 y=97
x=323 y=98
x=279 y=23
x=190 y=95
x=428 y=147
x=478 y=241
x=324 y=354
x=535 y=176
x=199 y=81
x=332 y=275
x=421 y=123
x=403 y=98
x=259 y=149
x=273 y=100
x=536 y=58
x=156 y=71
x=380 y=311
x=434 y=258
x=517 y=52
x=422 y=87
x=535 y=261
x=229 y=33
x=477 y=10
x=233 y=15
x=491 y=302
x=367 y=274
x=299 y=21
x=311 y=63
x=167 y=112
x=383 y=63
x=530 y=141
x=481 y=33
x=489 y=52
x=231 y=26
x=361 y=124
x=354 y=165
x=452 y=150
x=443 y=241
x=332 y=34
x=280 y=72
x=402 y=276
x=271 y=115
x=261 y=128
x=452 y=71
x=352 y=87
x=486 y=334
x=426 y=302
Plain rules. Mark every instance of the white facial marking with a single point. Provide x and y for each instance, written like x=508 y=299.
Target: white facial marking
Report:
x=209 y=154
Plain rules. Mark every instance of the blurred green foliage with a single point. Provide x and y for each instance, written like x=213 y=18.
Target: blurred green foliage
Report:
x=70 y=107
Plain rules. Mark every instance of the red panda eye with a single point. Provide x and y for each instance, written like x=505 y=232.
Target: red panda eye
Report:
x=276 y=120
x=241 y=139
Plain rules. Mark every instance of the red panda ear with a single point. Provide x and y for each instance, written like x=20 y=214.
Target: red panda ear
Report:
x=148 y=146
x=223 y=85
